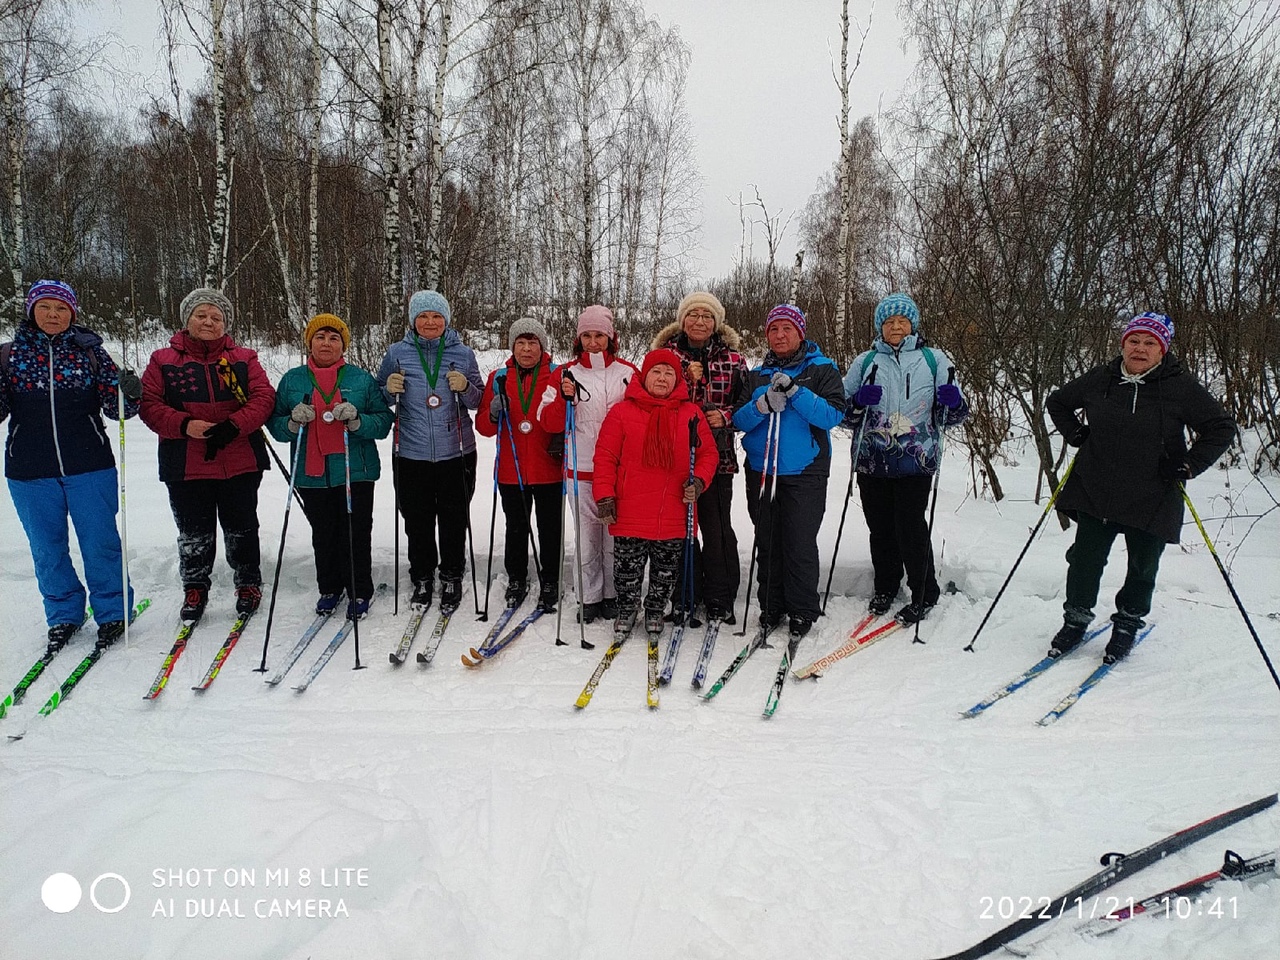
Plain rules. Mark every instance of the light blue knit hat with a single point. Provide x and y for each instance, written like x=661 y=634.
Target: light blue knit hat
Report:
x=425 y=300
x=898 y=305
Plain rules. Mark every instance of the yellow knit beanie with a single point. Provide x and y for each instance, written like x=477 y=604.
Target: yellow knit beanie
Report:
x=323 y=321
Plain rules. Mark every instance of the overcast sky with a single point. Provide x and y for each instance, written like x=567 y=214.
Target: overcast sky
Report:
x=762 y=99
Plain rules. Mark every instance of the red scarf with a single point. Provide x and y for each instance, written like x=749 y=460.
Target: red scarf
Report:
x=660 y=431
x=323 y=438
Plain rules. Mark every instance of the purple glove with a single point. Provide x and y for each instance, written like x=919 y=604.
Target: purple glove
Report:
x=868 y=395
x=949 y=396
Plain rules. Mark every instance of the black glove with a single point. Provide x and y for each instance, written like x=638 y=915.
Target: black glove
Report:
x=130 y=385
x=218 y=436
x=1173 y=471
x=1080 y=435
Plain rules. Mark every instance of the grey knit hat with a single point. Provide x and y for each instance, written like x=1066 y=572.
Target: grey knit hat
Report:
x=528 y=327
x=202 y=295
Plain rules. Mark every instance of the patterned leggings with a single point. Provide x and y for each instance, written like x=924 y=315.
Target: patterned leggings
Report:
x=629 y=556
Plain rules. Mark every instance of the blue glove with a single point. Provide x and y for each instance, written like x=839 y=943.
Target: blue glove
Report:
x=868 y=395
x=949 y=396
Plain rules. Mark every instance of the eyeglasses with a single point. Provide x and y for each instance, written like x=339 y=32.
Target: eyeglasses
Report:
x=699 y=315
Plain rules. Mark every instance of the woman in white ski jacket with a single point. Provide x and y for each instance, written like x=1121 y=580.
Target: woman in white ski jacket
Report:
x=592 y=382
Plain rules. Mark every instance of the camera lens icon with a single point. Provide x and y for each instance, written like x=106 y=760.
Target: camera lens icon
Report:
x=61 y=893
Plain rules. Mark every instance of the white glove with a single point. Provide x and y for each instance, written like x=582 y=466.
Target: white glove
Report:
x=395 y=383
x=302 y=413
x=346 y=413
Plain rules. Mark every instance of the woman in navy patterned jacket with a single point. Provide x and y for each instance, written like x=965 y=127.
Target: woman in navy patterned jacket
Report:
x=57 y=382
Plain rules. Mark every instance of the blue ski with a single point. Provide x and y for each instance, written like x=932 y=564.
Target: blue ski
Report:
x=1017 y=683
x=1087 y=684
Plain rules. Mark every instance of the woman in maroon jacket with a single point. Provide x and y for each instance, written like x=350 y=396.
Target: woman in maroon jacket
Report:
x=642 y=483
x=207 y=399
x=528 y=460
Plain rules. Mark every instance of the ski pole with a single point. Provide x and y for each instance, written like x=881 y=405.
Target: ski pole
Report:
x=124 y=518
x=686 y=592
x=227 y=374
x=1025 y=547
x=564 y=495
x=515 y=457
x=933 y=506
x=395 y=487
x=351 y=550
x=493 y=520
x=577 y=535
x=466 y=496
x=766 y=570
x=755 y=538
x=1231 y=587
x=288 y=503
x=853 y=471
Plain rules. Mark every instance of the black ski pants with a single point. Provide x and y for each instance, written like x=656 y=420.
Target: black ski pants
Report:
x=517 y=506
x=894 y=508
x=716 y=570
x=436 y=495
x=327 y=511
x=1087 y=557
x=787 y=542
x=199 y=507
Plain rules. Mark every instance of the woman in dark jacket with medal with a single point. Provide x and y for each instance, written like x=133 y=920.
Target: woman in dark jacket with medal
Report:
x=433 y=380
x=321 y=399
x=1126 y=478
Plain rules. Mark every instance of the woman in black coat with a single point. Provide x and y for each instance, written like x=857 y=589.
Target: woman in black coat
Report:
x=1127 y=477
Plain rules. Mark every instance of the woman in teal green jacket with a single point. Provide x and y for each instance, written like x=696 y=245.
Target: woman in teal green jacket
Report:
x=322 y=399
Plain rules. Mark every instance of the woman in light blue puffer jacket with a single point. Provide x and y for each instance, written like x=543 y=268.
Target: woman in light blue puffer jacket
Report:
x=433 y=380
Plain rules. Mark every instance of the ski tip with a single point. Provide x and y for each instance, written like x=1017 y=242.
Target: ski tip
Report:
x=588 y=645
x=561 y=643
x=395 y=661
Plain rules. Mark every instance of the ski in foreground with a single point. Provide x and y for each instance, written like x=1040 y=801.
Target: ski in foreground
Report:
x=304 y=641
x=704 y=655
x=857 y=642
x=621 y=632
x=77 y=674
x=417 y=613
x=1020 y=681
x=475 y=656
x=332 y=647
x=759 y=641
x=488 y=651
x=651 y=683
x=1234 y=867
x=1089 y=683
x=428 y=653
x=224 y=651
x=1116 y=868
x=780 y=679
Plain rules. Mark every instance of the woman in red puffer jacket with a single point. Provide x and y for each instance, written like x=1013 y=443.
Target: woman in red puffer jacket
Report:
x=643 y=484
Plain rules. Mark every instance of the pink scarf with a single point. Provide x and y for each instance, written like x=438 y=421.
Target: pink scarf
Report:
x=323 y=438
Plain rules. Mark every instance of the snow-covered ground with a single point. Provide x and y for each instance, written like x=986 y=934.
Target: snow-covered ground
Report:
x=442 y=812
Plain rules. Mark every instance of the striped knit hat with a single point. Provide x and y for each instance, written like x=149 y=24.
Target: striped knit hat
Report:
x=785 y=313
x=51 y=290
x=1158 y=325
x=897 y=305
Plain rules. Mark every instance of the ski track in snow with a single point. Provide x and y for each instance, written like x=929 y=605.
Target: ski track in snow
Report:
x=495 y=821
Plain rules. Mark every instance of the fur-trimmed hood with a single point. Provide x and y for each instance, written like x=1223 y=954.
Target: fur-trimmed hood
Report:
x=730 y=336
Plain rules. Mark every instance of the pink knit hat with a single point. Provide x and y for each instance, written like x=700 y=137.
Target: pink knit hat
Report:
x=596 y=319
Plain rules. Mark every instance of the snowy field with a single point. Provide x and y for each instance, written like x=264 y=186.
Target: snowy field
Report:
x=441 y=812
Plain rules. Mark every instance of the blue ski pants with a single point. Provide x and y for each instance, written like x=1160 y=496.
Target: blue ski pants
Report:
x=89 y=499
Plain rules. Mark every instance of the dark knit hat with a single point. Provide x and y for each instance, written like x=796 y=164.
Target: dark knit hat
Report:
x=51 y=290
x=785 y=313
x=897 y=305
x=203 y=295
x=528 y=327
x=1158 y=325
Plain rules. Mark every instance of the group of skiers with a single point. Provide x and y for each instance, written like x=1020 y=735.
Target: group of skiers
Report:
x=648 y=454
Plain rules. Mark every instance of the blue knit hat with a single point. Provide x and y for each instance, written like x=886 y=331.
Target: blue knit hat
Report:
x=51 y=290
x=429 y=300
x=1158 y=325
x=898 y=305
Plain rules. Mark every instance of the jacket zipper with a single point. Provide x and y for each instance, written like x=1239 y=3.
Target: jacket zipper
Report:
x=53 y=414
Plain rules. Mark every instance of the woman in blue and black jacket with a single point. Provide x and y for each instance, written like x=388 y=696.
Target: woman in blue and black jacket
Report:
x=901 y=396
x=57 y=384
x=801 y=385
